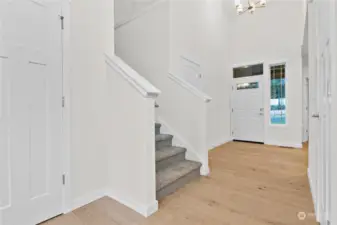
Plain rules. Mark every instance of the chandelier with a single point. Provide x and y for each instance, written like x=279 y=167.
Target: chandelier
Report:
x=250 y=7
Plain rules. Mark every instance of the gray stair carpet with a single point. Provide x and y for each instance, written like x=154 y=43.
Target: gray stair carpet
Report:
x=173 y=171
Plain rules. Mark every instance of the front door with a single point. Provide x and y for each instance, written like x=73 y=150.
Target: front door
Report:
x=248 y=109
x=31 y=111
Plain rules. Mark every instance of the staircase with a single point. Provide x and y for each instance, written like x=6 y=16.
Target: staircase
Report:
x=173 y=171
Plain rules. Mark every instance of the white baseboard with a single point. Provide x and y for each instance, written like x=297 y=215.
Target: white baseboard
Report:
x=88 y=198
x=144 y=210
x=313 y=194
x=219 y=143
x=287 y=145
x=204 y=170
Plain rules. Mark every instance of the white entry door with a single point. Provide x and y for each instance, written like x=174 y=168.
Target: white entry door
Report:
x=248 y=109
x=31 y=111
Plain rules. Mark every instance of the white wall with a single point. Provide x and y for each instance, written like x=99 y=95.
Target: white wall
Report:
x=145 y=45
x=91 y=36
x=126 y=9
x=265 y=37
x=164 y=34
x=200 y=32
x=131 y=159
x=305 y=99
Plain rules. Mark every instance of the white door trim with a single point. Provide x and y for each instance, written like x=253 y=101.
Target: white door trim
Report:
x=66 y=13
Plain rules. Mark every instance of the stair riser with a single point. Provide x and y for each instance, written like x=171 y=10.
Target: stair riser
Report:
x=167 y=162
x=169 y=189
x=163 y=144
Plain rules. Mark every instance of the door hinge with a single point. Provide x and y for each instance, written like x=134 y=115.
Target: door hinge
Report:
x=232 y=110
x=232 y=133
x=63 y=179
x=62 y=22
x=63 y=101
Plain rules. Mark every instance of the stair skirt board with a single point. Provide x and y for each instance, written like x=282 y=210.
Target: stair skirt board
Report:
x=181 y=182
x=191 y=154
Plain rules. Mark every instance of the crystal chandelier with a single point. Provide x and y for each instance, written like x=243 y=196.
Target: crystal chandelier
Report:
x=250 y=7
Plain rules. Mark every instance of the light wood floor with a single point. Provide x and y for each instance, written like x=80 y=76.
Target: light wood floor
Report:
x=250 y=184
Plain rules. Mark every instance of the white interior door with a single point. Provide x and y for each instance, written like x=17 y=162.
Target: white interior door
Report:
x=314 y=132
x=248 y=109
x=324 y=165
x=31 y=111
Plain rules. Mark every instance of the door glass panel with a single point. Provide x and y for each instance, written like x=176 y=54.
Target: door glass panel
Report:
x=248 y=71
x=244 y=86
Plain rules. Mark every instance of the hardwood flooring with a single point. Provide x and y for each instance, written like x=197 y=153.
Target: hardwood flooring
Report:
x=250 y=184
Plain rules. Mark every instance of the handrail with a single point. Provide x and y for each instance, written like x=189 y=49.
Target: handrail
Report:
x=137 y=15
x=142 y=85
x=190 y=88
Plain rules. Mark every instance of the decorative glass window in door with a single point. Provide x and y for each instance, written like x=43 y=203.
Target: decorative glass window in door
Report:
x=278 y=101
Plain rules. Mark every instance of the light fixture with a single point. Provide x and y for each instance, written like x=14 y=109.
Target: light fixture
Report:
x=250 y=7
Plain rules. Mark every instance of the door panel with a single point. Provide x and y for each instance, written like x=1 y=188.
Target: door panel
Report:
x=248 y=109
x=324 y=178
x=32 y=82
x=4 y=150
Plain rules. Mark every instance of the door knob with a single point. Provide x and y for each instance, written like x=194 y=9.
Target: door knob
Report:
x=315 y=115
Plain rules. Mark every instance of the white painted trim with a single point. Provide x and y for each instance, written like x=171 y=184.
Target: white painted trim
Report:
x=190 y=88
x=287 y=145
x=313 y=194
x=142 y=85
x=191 y=153
x=66 y=149
x=137 y=15
x=87 y=199
x=144 y=210
x=219 y=143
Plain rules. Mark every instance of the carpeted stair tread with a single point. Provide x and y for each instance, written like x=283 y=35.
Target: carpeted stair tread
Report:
x=174 y=172
x=163 y=137
x=168 y=152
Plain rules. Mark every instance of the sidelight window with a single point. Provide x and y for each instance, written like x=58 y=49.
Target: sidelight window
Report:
x=278 y=101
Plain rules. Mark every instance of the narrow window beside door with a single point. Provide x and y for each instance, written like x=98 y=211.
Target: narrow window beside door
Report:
x=278 y=94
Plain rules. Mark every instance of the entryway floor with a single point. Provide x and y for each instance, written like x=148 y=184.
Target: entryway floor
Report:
x=250 y=184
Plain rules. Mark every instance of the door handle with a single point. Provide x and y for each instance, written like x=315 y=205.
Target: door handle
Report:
x=315 y=115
